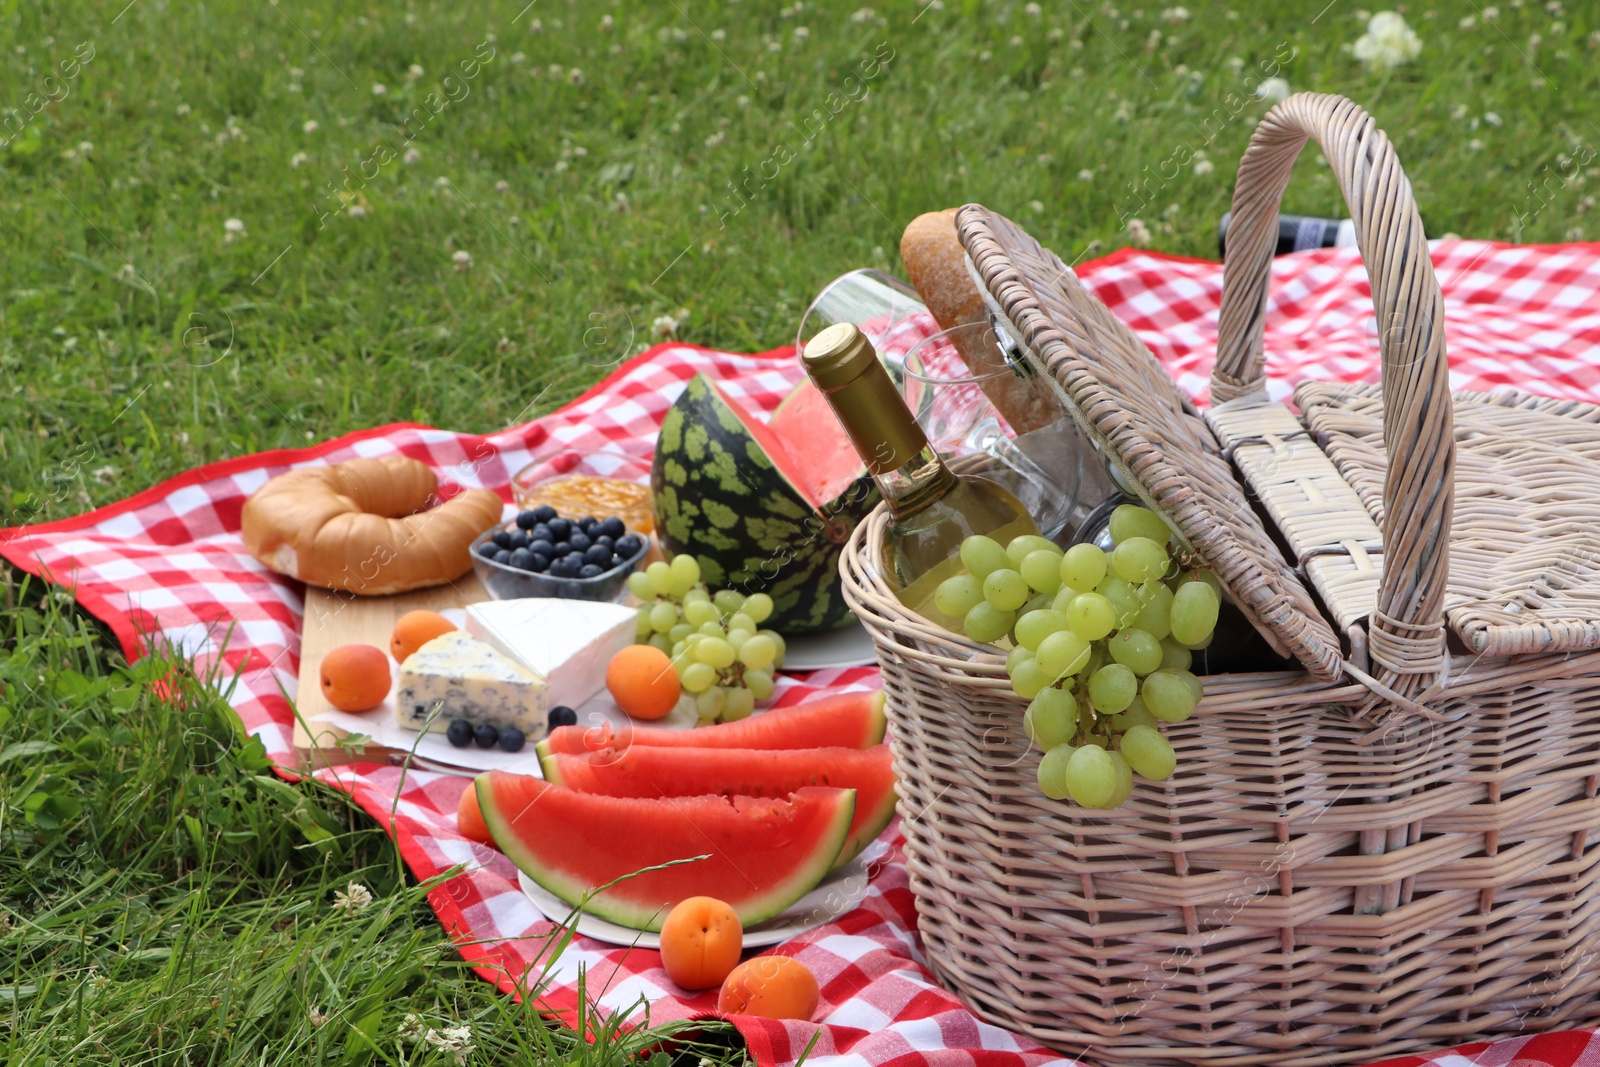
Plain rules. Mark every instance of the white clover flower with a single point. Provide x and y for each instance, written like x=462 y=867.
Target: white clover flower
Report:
x=356 y=210
x=1467 y=22
x=535 y=26
x=1273 y=90
x=297 y=159
x=1388 y=42
x=232 y=229
x=719 y=35
x=505 y=345
x=1203 y=166
x=1175 y=14
x=441 y=182
x=352 y=898
x=801 y=33
x=716 y=139
x=1036 y=206
x=462 y=259
x=413 y=156
x=297 y=73
x=1475 y=145
x=86 y=147
x=1139 y=233
x=1086 y=175
x=1235 y=63
x=1491 y=118
x=410 y=1028
x=182 y=110
x=309 y=126
x=1491 y=13
x=1458 y=112
x=414 y=72
x=663 y=325
x=606 y=23
x=502 y=186
x=519 y=58
x=124 y=273
x=1574 y=234
x=575 y=76
x=316 y=1017
x=379 y=89
x=1033 y=11
x=456 y=1040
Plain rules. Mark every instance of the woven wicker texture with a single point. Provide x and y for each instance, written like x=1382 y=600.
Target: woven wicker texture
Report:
x=1125 y=402
x=1525 y=540
x=1312 y=886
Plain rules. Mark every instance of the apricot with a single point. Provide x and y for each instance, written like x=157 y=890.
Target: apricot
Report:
x=355 y=677
x=700 y=942
x=469 y=817
x=415 y=629
x=642 y=682
x=772 y=987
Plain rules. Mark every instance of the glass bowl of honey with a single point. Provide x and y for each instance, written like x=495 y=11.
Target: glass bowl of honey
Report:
x=588 y=481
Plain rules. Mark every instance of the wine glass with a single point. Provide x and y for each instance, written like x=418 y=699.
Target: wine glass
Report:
x=887 y=310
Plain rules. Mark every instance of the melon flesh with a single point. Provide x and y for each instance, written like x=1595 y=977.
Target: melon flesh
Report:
x=761 y=855
x=807 y=444
x=643 y=771
x=843 y=720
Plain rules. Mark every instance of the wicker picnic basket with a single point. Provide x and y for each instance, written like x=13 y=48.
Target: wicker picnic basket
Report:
x=1383 y=842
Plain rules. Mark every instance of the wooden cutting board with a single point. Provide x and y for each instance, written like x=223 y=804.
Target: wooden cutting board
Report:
x=334 y=619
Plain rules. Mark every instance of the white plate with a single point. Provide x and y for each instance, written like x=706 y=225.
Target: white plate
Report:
x=848 y=646
x=834 y=896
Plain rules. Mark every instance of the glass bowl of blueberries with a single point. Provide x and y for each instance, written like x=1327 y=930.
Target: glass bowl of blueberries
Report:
x=543 y=554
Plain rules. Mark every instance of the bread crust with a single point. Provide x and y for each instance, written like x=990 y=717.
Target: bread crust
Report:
x=364 y=526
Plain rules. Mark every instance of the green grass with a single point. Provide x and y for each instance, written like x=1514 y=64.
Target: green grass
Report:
x=137 y=340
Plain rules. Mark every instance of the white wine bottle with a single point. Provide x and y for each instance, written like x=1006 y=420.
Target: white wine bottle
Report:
x=933 y=508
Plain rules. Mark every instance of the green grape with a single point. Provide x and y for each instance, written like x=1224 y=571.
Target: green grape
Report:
x=663 y=616
x=737 y=638
x=1154 y=619
x=1112 y=688
x=1139 y=560
x=1194 y=613
x=1091 y=616
x=698 y=677
x=1005 y=590
x=1097 y=658
x=956 y=595
x=1029 y=678
x=728 y=601
x=686 y=569
x=1097 y=740
x=639 y=585
x=1083 y=567
x=1016 y=656
x=1135 y=715
x=1062 y=653
x=1174 y=657
x=659 y=575
x=1024 y=545
x=1123 y=596
x=680 y=663
x=1035 y=626
x=1201 y=645
x=1041 y=570
x=1053 y=772
x=660 y=641
x=759 y=683
x=1131 y=520
x=709 y=704
x=741 y=621
x=740 y=703
x=1168 y=696
x=986 y=623
x=710 y=629
x=678 y=648
x=680 y=633
x=758 y=652
x=1195 y=688
x=1091 y=776
x=716 y=651
x=642 y=628
x=1200 y=574
x=1124 y=780
x=1051 y=718
x=700 y=612
x=758 y=606
x=981 y=555
x=1136 y=650
x=1149 y=753
x=778 y=640
x=1038 y=603
x=693 y=639
x=697 y=594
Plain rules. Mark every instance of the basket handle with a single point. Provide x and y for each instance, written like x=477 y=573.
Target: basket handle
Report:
x=1407 y=638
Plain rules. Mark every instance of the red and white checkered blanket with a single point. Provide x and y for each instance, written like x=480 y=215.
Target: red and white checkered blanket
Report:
x=170 y=562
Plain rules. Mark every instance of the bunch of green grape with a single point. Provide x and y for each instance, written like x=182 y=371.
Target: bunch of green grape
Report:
x=1101 y=647
x=722 y=659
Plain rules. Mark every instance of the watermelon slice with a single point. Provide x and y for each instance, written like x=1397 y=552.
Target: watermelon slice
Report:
x=643 y=771
x=762 y=855
x=844 y=720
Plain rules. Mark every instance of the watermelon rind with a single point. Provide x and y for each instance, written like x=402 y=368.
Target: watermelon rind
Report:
x=614 y=904
x=717 y=495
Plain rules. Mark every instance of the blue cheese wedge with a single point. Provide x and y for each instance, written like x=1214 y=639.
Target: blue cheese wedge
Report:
x=457 y=677
x=569 y=642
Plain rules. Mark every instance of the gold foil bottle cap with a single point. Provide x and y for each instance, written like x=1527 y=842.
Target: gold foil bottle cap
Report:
x=838 y=355
x=844 y=365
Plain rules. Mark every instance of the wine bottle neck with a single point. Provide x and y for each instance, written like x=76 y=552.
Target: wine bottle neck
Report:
x=910 y=488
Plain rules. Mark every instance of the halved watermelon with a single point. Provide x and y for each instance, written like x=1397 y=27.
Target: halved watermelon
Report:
x=844 y=720
x=762 y=855
x=643 y=771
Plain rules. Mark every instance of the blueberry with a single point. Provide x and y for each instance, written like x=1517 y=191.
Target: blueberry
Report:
x=613 y=527
x=503 y=539
x=544 y=513
x=460 y=733
x=511 y=739
x=616 y=561
x=628 y=545
x=588 y=523
x=561 y=715
x=519 y=539
x=591 y=570
x=599 y=555
x=540 y=532
x=580 y=541
x=487 y=549
x=560 y=529
x=527 y=520
x=502 y=556
x=609 y=542
x=565 y=567
x=538 y=562
x=543 y=548
x=521 y=559
x=486 y=735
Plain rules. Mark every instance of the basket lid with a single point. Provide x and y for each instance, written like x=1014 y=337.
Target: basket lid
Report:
x=1133 y=410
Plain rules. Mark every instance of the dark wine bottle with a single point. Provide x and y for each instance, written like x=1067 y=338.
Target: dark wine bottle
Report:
x=1296 y=233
